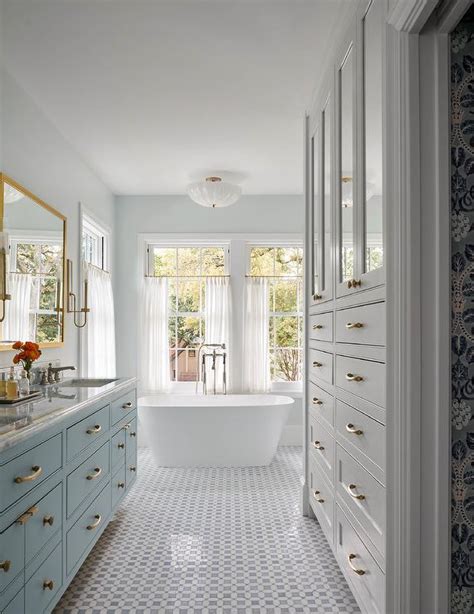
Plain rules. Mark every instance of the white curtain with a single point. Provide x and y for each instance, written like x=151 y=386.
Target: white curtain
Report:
x=218 y=326
x=256 y=366
x=154 y=362
x=16 y=326
x=98 y=340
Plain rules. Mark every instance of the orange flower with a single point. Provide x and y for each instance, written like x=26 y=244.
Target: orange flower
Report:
x=17 y=345
x=16 y=359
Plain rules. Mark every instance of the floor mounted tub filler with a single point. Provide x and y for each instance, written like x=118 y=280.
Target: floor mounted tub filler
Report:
x=235 y=430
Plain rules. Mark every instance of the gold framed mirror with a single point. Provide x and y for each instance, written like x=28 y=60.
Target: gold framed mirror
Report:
x=33 y=253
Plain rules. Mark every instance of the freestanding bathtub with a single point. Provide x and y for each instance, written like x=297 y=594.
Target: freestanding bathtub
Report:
x=235 y=430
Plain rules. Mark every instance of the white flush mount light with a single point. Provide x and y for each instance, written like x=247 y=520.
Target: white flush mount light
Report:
x=213 y=192
x=11 y=194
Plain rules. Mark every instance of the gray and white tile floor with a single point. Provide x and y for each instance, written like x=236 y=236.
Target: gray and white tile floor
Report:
x=212 y=541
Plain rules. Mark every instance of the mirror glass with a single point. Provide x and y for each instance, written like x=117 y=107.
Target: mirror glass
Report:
x=315 y=145
x=327 y=196
x=35 y=234
x=346 y=239
x=373 y=218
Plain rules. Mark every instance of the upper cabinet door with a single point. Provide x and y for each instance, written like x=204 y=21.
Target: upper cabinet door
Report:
x=317 y=237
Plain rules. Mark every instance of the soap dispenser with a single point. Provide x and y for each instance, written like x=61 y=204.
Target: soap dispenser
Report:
x=12 y=386
x=24 y=384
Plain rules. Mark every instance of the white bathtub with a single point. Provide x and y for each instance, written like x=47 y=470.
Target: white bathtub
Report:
x=235 y=430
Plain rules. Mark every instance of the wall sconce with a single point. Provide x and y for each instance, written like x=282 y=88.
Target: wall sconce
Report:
x=4 y=251
x=71 y=300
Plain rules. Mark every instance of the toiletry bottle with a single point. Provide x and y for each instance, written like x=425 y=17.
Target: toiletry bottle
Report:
x=12 y=386
x=24 y=384
x=3 y=384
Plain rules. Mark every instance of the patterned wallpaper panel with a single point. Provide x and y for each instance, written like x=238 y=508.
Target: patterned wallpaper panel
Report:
x=462 y=300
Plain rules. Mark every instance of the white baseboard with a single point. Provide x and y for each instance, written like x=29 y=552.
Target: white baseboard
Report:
x=292 y=435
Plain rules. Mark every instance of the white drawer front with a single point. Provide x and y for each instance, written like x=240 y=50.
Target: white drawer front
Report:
x=320 y=366
x=364 y=378
x=360 y=434
x=322 y=445
x=364 y=324
x=321 y=403
x=363 y=495
x=321 y=499
x=365 y=575
x=320 y=327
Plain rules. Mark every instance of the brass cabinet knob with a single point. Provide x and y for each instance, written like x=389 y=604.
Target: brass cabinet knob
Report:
x=133 y=434
x=132 y=468
x=37 y=471
x=350 y=558
x=95 y=524
x=350 y=377
x=48 y=520
x=317 y=445
x=93 y=476
x=317 y=364
x=316 y=401
x=351 y=490
x=121 y=485
x=5 y=565
x=127 y=405
x=317 y=297
x=350 y=428
x=48 y=584
x=351 y=325
x=121 y=445
x=95 y=429
x=316 y=494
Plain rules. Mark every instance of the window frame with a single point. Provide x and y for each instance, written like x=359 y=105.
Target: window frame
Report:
x=91 y=227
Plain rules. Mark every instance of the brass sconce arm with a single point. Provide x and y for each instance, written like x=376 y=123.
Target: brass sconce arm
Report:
x=71 y=299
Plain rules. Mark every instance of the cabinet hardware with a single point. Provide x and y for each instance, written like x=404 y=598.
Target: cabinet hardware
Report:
x=317 y=297
x=23 y=519
x=317 y=326
x=93 y=476
x=351 y=488
x=5 y=565
x=37 y=471
x=316 y=494
x=354 y=283
x=351 y=325
x=132 y=468
x=133 y=434
x=350 y=558
x=350 y=377
x=48 y=520
x=316 y=401
x=96 y=429
x=317 y=445
x=127 y=405
x=350 y=428
x=121 y=485
x=48 y=584
x=94 y=525
x=126 y=426
x=317 y=364
x=121 y=445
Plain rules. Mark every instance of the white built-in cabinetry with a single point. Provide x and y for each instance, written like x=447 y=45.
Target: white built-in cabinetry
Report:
x=345 y=305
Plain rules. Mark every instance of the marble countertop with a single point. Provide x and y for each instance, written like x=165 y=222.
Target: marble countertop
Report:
x=23 y=420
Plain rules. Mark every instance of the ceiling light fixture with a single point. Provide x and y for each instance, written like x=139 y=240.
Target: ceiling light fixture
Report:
x=213 y=192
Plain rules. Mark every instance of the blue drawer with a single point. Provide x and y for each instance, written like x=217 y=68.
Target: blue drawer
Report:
x=44 y=523
x=118 y=486
x=43 y=585
x=122 y=406
x=85 y=530
x=16 y=605
x=23 y=473
x=85 y=432
x=85 y=479
x=12 y=553
x=118 y=448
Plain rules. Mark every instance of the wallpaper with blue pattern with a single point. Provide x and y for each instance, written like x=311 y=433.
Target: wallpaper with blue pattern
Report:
x=462 y=298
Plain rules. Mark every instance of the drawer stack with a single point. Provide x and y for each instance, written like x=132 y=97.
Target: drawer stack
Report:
x=346 y=441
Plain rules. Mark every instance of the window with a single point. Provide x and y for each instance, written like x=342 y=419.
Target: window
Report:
x=43 y=260
x=94 y=243
x=284 y=268
x=186 y=268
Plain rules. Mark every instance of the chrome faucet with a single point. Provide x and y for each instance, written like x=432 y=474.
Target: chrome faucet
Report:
x=54 y=373
x=202 y=370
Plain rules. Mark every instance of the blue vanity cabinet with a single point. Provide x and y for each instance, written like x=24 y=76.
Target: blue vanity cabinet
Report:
x=76 y=475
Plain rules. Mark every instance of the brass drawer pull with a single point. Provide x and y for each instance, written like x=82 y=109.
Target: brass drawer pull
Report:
x=37 y=471
x=350 y=428
x=351 y=488
x=351 y=325
x=317 y=364
x=48 y=584
x=5 y=565
x=133 y=434
x=121 y=446
x=93 y=476
x=121 y=485
x=354 y=283
x=96 y=429
x=132 y=468
x=94 y=525
x=317 y=326
x=317 y=445
x=126 y=426
x=350 y=377
x=316 y=494
x=127 y=405
x=350 y=558
x=316 y=401
x=23 y=519
x=317 y=297
x=48 y=520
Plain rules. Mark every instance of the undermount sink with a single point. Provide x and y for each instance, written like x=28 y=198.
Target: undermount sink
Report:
x=84 y=382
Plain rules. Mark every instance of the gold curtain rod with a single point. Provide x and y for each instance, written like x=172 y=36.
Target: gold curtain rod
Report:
x=220 y=276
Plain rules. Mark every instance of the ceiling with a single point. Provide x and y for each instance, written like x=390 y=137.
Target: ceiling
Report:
x=153 y=94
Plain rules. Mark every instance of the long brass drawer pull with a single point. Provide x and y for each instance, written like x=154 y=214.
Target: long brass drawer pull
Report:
x=48 y=520
x=127 y=405
x=23 y=519
x=350 y=558
x=5 y=565
x=317 y=297
x=317 y=364
x=317 y=326
x=317 y=445
x=351 y=325
x=96 y=429
x=97 y=472
x=121 y=446
x=37 y=471
x=350 y=428
x=316 y=401
x=350 y=377
x=351 y=490
x=94 y=525
x=316 y=494
x=354 y=283
x=48 y=584
x=121 y=485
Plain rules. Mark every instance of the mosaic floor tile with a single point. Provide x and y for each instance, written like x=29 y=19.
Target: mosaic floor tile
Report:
x=212 y=541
